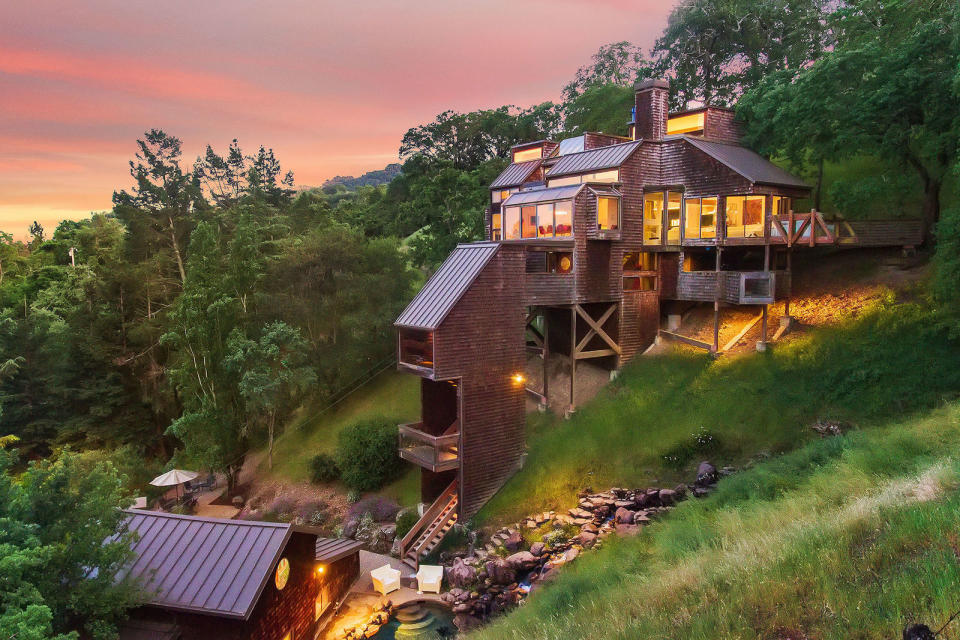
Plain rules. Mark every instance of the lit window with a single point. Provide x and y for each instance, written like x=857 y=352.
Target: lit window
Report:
x=550 y=262
x=674 y=201
x=781 y=206
x=545 y=220
x=563 y=218
x=701 y=218
x=653 y=218
x=639 y=283
x=690 y=123
x=529 y=215
x=495 y=226
x=524 y=155
x=608 y=176
x=511 y=223
x=744 y=216
x=608 y=213
x=639 y=261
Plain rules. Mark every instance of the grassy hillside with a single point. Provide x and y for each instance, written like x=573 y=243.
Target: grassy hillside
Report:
x=848 y=537
x=665 y=414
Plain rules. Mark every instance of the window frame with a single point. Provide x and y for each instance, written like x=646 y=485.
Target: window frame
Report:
x=700 y=215
x=537 y=207
x=613 y=229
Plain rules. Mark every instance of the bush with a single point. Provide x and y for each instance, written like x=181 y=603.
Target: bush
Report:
x=323 y=468
x=367 y=454
x=405 y=521
x=378 y=507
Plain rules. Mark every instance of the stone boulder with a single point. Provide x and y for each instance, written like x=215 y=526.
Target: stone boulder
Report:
x=350 y=528
x=537 y=549
x=624 y=516
x=522 y=561
x=513 y=542
x=667 y=497
x=460 y=575
x=706 y=474
x=499 y=572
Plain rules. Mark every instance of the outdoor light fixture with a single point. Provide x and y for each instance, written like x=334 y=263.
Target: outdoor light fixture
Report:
x=321 y=569
x=518 y=379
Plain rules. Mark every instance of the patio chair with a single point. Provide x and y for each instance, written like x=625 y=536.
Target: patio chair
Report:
x=429 y=578
x=385 y=579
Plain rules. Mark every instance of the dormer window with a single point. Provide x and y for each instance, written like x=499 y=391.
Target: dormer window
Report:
x=524 y=155
x=608 y=213
x=689 y=123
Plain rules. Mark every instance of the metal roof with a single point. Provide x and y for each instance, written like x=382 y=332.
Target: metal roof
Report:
x=749 y=164
x=515 y=174
x=542 y=195
x=594 y=160
x=570 y=145
x=333 y=549
x=442 y=291
x=206 y=565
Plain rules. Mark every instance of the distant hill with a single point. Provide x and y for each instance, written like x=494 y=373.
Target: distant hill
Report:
x=369 y=179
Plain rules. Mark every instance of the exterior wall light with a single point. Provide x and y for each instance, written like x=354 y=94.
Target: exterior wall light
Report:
x=321 y=569
x=518 y=379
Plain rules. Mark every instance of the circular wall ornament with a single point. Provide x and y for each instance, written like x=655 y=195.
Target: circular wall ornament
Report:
x=283 y=574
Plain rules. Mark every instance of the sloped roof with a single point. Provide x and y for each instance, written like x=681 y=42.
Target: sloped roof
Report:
x=749 y=164
x=570 y=145
x=607 y=157
x=213 y=566
x=442 y=291
x=333 y=549
x=542 y=195
x=515 y=174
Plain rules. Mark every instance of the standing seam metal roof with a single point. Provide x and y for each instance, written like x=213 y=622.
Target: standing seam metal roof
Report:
x=750 y=164
x=542 y=195
x=211 y=565
x=442 y=291
x=515 y=174
x=593 y=160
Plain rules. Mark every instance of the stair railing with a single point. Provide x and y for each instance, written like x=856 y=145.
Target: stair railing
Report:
x=428 y=518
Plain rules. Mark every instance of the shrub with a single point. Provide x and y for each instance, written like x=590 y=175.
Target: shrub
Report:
x=353 y=496
x=314 y=513
x=323 y=468
x=379 y=507
x=367 y=454
x=405 y=521
x=281 y=509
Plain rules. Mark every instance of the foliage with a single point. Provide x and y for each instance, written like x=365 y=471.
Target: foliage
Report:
x=947 y=262
x=406 y=520
x=367 y=454
x=57 y=571
x=702 y=444
x=601 y=107
x=323 y=468
x=378 y=507
x=894 y=359
x=850 y=536
x=619 y=64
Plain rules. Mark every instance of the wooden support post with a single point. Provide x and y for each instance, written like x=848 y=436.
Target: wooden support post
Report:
x=716 y=307
x=762 y=346
x=546 y=357
x=786 y=306
x=573 y=356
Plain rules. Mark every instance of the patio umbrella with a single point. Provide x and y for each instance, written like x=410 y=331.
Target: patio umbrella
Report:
x=173 y=477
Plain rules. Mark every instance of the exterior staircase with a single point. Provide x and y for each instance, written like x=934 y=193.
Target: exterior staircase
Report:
x=431 y=528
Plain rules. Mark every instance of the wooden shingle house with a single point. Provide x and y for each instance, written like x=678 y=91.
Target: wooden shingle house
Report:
x=591 y=242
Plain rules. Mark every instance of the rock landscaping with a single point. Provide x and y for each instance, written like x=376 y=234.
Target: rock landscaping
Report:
x=518 y=558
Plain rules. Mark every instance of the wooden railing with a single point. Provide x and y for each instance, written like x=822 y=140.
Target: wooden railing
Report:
x=428 y=518
x=437 y=453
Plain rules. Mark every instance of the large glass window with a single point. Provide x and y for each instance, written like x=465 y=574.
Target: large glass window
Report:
x=495 y=226
x=744 y=216
x=608 y=176
x=545 y=220
x=674 y=204
x=701 y=218
x=781 y=206
x=511 y=223
x=608 y=213
x=563 y=218
x=529 y=216
x=523 y=155
x=653 y=218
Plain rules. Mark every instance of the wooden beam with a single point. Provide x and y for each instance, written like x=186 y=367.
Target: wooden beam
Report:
x=597 y=327
x=573 y=352
x=684 y=339
x=743 y=332
x=546 y=356
x=596 y=353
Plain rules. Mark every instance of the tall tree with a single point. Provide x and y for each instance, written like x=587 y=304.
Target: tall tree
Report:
x=619 y=63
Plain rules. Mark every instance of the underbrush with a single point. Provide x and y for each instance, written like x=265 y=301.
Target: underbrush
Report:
x=851 y=536
x=666 y=413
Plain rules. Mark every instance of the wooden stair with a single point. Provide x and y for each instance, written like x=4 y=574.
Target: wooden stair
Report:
x=431 y=528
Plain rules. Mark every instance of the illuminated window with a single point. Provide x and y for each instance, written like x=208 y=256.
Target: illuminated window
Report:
x=500 y=196
x=608 y=176
x=653 y=218
x=639 y=261
x=563 y=218
x=495 y=226
x=674 y=202
x=511 y=223
x=523 y=155
x=545 y=220
x=550 y=262
x=639 y=283
x=416 y=347
x=608 y=213
x=744 y=216
x=689 y=123
x=529 y=225
x=781 y=206
x=701 y=218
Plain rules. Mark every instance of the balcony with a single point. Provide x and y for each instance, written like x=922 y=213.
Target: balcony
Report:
x=436 y=453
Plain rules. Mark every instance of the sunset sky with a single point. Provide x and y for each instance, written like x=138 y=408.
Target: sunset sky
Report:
x=331 y=86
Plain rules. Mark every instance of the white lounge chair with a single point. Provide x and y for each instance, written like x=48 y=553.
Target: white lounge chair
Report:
x=385 y=579
x=429 y=578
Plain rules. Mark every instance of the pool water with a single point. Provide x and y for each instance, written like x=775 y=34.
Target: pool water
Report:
x=424 y=621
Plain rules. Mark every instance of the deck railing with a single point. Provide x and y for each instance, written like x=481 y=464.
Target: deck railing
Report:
x=436 y=453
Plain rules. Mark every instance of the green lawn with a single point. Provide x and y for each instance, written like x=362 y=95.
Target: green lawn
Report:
x=893 y=360
x=392 y=394
x=847 y=537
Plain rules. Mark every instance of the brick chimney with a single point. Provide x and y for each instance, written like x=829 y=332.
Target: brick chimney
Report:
x=651 y=108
